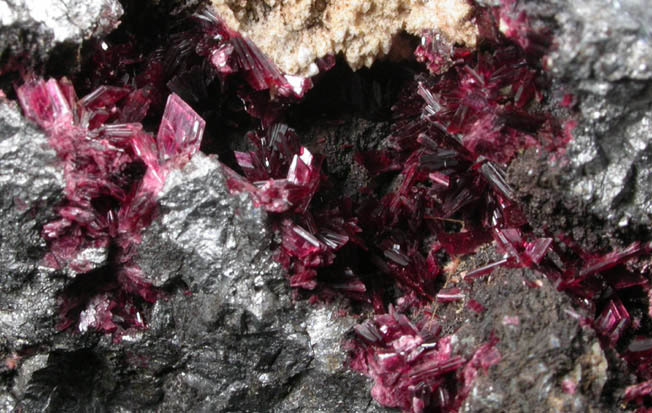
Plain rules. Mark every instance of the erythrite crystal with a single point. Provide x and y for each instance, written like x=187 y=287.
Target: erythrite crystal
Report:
x=440 y=178
x=514 y=23
x=639 y=356
x=605 y=262
x=511 y=320
x=231 y=52
x=450 y=294
x=463 y=242
x=638 y=391
x=476 y=306
x=438 y=53
x=412 y=366
x=536 y=250
x=613 y=321
x=180 y=132
x=281 y=179
x=113 y=174
x=484 y=270
x=45 y=103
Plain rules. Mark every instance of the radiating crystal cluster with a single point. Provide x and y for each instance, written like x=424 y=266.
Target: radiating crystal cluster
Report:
x=454 y=132
x=413 y=366
x=450 y=150
x=230 y=52
x=114 y=168
x=283 y=177
x=437 y=191
x=202 y=52
x=113 y=171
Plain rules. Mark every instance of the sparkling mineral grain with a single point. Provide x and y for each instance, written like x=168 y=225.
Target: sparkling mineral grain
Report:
x=30 y=30
x=32 y=185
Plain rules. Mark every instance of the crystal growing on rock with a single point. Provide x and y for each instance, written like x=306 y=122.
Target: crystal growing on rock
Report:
x=436 y=191
x=412 y=366
x=180 y=132
x=281 y=180
x=231 y=52
x=613 y=320
x=113 y=174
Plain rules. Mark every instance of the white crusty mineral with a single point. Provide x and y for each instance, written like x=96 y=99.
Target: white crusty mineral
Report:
x=293 y=33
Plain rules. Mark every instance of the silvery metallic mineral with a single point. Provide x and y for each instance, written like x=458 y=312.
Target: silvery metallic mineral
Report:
x=603 y=56
x=606 y=51
x=31 y=185
x=29 y=30
x=242 y=343
x=226 y=337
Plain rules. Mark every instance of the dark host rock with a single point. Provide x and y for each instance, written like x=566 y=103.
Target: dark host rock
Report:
x=229 y=338
x=31 y=30
x=545 y=352
x=225 y=338
x=603 y=57
x=31 y=185
x=339 y=142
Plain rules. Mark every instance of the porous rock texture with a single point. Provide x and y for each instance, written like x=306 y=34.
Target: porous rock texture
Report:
x=31 y=30
x=545 y=351
x=603 y=58
x=295 y=33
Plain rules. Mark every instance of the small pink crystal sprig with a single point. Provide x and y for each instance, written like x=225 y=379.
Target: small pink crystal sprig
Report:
x=102 y=146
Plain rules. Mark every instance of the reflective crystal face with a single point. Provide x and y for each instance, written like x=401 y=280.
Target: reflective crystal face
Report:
x=113 y=171
x=434 y=190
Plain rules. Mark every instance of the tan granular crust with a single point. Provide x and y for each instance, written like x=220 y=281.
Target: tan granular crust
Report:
x=293 y=33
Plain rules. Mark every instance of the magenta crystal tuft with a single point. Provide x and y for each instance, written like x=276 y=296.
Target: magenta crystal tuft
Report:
x=180 y=132
x=105 y=205
x=613 y=320
x=45 y=103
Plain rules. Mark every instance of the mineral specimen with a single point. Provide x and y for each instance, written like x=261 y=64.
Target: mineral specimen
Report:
x=603 y=60
x=215 y=247
x=355 y=221
x=112 y=175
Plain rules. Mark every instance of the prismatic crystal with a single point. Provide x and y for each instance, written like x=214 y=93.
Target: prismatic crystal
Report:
x=113 y=171
x=437 y=191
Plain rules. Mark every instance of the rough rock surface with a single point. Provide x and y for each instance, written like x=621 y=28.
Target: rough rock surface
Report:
x=226 y=337
x=30 y=30
x=31 y=185
x=604 y=58
x=544 y=349
x=243 y=344
x=362 y=30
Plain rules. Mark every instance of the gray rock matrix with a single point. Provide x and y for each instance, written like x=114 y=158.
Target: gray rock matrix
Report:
x=227 y=337
x=603 y=56
x=30 y=30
